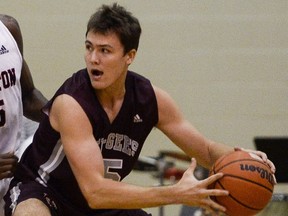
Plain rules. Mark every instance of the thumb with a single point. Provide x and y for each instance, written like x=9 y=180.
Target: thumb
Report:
x=193 y=164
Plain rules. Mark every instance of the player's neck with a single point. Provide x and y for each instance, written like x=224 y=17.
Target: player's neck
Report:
x=111 y=102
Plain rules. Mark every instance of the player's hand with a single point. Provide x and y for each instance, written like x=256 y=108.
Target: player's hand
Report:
x=196 y=193
x=264 y=158
x=8 y=164
x=214 y=213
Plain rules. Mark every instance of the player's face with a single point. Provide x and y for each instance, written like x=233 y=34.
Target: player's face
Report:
x=106 y=62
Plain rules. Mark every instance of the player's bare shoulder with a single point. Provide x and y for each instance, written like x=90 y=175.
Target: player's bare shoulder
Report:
x=12 y=25
x=163 y=98
x=168 y=111
x=10 y=22
x=160 y=93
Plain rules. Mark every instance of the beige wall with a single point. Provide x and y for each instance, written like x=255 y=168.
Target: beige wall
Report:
x=225 y=62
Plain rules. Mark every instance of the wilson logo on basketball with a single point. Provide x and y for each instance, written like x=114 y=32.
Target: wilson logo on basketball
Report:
x=265 y=174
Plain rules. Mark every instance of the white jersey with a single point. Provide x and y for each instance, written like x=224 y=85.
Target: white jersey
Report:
x=11 y=109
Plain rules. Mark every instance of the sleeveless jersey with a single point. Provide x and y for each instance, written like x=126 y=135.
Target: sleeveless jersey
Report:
x=11 y=110
x=120 y=141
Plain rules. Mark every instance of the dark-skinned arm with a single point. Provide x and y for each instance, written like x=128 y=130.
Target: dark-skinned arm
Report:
x=32 y=99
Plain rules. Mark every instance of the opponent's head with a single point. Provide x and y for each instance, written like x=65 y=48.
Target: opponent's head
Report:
x=116 y=19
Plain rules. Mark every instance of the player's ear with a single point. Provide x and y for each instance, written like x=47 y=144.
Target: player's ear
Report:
x=130 y=56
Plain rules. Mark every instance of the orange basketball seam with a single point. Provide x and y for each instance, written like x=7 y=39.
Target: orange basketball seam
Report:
x=240 y=169
x=240 y=160
x=248 y=180
x=216 y=171
x=220 y=160
x=236 y=200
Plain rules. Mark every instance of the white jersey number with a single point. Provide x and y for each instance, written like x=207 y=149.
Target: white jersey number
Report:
x=112 y=164
x=2 y=114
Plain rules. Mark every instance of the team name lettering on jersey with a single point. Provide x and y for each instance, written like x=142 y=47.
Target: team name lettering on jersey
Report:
x=119 y=142
x=7 y=78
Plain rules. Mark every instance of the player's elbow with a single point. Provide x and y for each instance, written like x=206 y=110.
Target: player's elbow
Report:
x=96 y=201
x=95 y=196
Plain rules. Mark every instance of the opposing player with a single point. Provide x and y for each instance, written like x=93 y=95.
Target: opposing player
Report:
x=93 y=132
x=17 y=95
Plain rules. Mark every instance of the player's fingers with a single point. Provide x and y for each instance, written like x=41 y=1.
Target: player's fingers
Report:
x=212 y=206
x=7 y=174
x=274 y=179
x=214 y=193
x=193 y=165
x=209 y=212
x=265 y=159
x=271 y=165
x=8 y=155
x=262 y=155
x=8 y=167
x=8 y=161
x=212 y=178
x=238 y=148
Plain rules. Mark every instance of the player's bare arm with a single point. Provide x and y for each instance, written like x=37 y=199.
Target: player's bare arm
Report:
x=184 y=135
x=32 y=99
x=86 y=161
x=9 y=161
x=69 y=119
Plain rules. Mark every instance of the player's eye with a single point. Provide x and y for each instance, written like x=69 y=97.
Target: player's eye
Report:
x=105 y=50
x=88 y=47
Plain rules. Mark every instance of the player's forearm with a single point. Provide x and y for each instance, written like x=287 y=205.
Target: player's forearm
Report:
x=118 y=195
x=216 y=150
x=33 y=104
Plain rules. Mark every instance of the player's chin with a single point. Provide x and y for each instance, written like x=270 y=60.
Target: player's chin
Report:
x=98 y=84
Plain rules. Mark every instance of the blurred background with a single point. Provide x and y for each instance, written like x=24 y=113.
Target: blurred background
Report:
x=224 y=62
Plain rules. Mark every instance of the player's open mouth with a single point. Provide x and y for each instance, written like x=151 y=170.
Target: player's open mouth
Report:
x=96 y=73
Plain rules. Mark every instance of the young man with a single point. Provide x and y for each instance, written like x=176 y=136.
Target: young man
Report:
x=17 y=95
x=93 y=132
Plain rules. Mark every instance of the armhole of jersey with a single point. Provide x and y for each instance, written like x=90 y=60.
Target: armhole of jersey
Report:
x=14 y=41
x=46 y=111
x=156 y=104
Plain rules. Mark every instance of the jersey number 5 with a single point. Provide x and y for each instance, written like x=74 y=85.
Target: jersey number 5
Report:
x=110 y=164
x=2 y=114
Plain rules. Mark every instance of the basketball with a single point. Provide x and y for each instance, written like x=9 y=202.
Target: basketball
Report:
x=248 y=180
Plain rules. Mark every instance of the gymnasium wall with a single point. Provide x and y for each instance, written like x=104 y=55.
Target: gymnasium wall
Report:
x=224 y=62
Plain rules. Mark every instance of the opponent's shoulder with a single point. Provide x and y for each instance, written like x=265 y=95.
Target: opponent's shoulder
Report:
x=10 y=22
x=12 y=25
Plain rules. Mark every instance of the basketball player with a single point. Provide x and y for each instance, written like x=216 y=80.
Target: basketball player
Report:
x=93 y=132
x=17 y=95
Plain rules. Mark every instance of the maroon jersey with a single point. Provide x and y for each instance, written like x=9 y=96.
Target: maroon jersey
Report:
x=120 y=141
